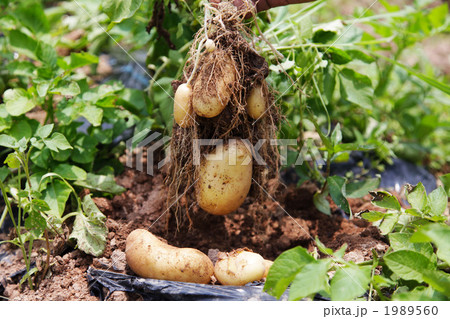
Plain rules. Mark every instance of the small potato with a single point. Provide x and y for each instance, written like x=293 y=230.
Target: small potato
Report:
x=267 y=264
x=149 y=257
x=239 y=268
x=213 y=87
x=256 y=102
x=182 y=107
x=224 y=181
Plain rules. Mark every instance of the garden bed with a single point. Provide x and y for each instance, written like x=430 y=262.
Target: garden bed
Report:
x=268 y=228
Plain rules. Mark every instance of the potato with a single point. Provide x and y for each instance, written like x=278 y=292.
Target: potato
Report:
x=256 y=102
x=239 y=268
x=149 y=257
x=182 y=107
x=267 y=264
x=213 y=89
x=224 y=183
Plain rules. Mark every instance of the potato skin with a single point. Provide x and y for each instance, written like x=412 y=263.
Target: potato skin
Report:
x=239 y=268
x=149 y=257
x=223 y=185
x=212 y=92
x=182 y=106
x=267 y=264
x=256 y=102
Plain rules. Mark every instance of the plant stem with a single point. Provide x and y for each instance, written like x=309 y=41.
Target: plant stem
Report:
x=17 y=228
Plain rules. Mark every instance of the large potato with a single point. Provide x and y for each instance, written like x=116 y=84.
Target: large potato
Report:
x=256 y=102
x=182 y=106
x=224 y=182
x=239 y=268
x=213 y=89
x=149 y=257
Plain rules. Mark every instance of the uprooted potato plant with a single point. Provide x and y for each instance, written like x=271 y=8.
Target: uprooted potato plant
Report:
x=222 y=95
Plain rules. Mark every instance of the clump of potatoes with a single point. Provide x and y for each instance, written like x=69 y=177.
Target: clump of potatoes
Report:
x=149 y=257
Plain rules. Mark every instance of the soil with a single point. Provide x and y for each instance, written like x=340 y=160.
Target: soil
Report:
x=269 y=228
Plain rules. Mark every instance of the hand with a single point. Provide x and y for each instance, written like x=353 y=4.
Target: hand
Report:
x=262 y=5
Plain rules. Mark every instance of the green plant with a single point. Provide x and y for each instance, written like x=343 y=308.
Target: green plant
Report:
x=415 y=266
x=41 y=199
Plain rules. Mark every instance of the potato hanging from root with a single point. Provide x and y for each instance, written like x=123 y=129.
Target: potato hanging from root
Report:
x=149 y=257
x=256 y=101
x=182 y=107
x=224 y=182
x=239 y=268
x=214 y=84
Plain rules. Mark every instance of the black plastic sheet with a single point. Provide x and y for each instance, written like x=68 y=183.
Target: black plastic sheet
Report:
x=164 y=290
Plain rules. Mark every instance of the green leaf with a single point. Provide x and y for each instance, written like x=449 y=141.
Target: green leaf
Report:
x=407 y=264
x=385 y=200
x=439 y=280
x=431 y=81
x=93 y=114
x=118 y=10
x=8 y=141
x=336 y=186
x=64 y=88
x=36 y=222
x=416 y=196
x=84 y=149
x=323 y=248
x=372 y=216
x=20 y=129
x=12 y=161
x=40 y=205
x=78 y=60
x=32 y=16
x=445 y=179
x=56 y=195
x=4 y=172
x=23 y=44
x=350 y=282
x=359 y=55
x=437 y=200
x=18 y=101
x=44 y=131
x=401 y=241
x=101 y=183
x=57 y=142
x=321 y=203
x=419 y=293
x=336 y=135
x=437 y=15
x=439 y=234
x=89 y=229
x=389 y=222
x=70 y=172
x=338 y=56
x=311 y=279
x=361 y=188
x=284 y=270
x=356 y=88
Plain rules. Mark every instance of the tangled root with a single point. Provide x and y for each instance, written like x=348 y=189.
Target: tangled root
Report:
x=233 y=40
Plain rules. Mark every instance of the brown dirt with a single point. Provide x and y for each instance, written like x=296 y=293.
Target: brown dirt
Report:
x=268 y=228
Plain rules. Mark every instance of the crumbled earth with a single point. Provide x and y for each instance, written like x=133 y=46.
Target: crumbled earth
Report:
x=268 y=228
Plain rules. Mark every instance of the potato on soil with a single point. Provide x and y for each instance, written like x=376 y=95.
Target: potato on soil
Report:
x=225 y=181
x=239 y=268
x=256 y=101
x=267 y=264
x=182 y=107
x=213 y=86
x=149 y=257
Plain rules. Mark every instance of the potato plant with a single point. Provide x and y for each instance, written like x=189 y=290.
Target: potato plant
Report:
x=223 y=95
